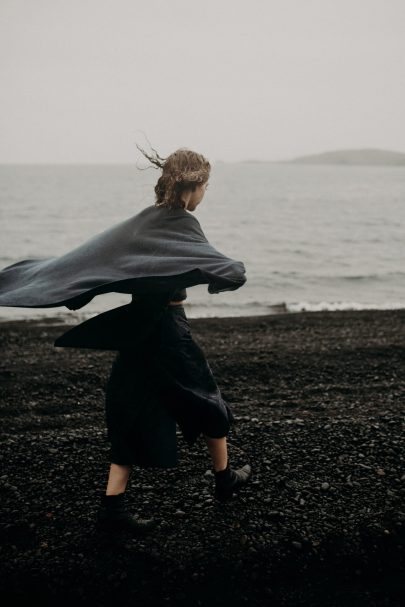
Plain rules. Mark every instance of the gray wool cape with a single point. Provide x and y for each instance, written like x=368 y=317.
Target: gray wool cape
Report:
x=152 y=254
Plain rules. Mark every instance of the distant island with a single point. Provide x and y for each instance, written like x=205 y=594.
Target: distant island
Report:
x=368 y=156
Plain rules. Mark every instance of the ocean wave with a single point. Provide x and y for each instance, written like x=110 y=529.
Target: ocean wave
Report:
x=306 y=306
x=303 y=275
x=373 y=276
x=205 y=311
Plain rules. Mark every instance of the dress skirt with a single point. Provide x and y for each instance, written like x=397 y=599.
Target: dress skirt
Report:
x=163 y=382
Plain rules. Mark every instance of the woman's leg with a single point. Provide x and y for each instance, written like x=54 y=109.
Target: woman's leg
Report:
x=118 y=479
x=112 y=513
x=218 y=451
x=227 y=480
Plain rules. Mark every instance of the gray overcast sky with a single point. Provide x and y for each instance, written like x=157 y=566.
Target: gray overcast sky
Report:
x=263 y=79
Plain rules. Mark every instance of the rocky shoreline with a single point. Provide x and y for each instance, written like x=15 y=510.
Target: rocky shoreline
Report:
x=319 y=401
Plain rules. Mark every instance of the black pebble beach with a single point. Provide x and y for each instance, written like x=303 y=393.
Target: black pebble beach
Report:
x=318 y=399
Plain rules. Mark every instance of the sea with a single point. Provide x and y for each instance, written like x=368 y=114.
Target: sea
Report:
x=312 y=237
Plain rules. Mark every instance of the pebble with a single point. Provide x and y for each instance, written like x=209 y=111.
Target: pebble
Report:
x=325 y=486
x=276 y=514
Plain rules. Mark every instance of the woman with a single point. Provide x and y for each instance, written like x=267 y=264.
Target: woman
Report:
x=171 y=372
x=160 y=376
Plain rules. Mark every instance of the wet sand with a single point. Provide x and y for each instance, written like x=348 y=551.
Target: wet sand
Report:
x=319 y=400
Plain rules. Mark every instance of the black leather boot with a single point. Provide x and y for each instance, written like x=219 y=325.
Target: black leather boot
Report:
x=228 y=481
x=113 y=516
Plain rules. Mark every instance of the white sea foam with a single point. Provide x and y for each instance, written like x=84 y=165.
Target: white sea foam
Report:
x=63 y=316
x=306 y=306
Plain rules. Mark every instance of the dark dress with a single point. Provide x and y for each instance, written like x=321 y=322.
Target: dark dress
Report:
x=151 y=388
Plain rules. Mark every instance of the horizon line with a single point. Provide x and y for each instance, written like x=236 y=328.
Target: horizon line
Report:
x=217 y=160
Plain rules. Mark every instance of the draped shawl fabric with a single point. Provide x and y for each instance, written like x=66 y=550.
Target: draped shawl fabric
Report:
x=155 y=252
